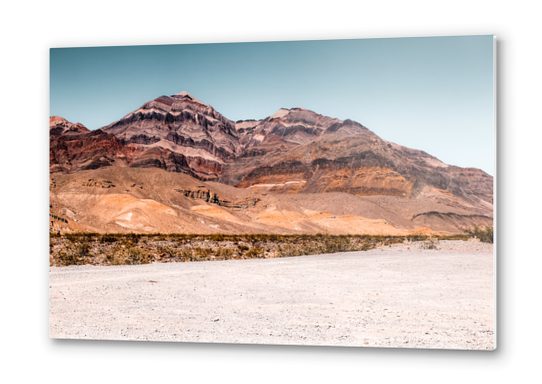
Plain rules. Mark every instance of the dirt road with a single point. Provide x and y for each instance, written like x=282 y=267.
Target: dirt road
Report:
x=392 y=297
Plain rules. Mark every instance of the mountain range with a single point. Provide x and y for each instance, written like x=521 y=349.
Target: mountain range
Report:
x=177 y=165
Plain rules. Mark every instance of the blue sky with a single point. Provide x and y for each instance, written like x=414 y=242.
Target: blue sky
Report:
x=428 y=93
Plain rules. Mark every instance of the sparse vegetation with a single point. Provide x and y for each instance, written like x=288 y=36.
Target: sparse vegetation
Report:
x=73 y=253
x=225 y=253
x=484 y=234
x=432 y=243
x=129 y=249
x=254 y=252
x=123 y=255
x=202 y=253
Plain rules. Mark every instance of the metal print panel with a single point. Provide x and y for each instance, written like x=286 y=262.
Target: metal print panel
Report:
x=336 y=193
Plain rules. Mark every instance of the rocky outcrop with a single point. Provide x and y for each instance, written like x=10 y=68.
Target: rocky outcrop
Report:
x=449 y=221
x=58 y=218
x=211 y=197
x=70 y=152
x=97 y=183
x=59 y=126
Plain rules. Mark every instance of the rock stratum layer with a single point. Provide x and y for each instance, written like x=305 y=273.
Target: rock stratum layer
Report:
x=293 y=172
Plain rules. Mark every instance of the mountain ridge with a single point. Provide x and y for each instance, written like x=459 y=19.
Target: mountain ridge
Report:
x=292 y=152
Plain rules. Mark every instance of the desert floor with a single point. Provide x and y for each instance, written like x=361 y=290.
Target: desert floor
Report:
x=398 y=296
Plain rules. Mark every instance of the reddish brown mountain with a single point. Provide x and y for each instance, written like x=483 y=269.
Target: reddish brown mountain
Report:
x=296 y=154
x=60 y=126
x=299 y=151
x=175 y=133
x=186 y=129
x=73 y=147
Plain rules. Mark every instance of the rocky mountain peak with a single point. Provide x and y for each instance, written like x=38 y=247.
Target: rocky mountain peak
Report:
x=179 y=133
x=55 y=120
x=186 y=96
x=280 y=113
x=60 y=126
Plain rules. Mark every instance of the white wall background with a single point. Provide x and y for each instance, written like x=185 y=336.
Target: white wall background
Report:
x=29 y=28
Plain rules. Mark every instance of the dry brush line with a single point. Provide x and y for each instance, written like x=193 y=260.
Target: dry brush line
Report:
x=131 y=249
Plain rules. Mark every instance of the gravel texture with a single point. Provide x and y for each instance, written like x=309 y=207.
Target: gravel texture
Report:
x=399 y=296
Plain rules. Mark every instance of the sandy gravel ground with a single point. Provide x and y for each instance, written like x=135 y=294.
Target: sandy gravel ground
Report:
x=399 y=296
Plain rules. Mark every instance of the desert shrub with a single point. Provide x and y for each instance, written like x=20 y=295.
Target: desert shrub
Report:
x=254 y=252
x=336 y=244
x=454 y=237
x=272 y=238
x=255 y=238
x=365 y=245
x=328 y=244
x=391 y=240
x=72 y=236
x=202 y=253
x=72 y=254
x=485 y=234
x=303 y=248
x=187 y=255
x=108 y=238
x=225 y=253
x=133 y=237
x=122 y=255
x=180 y=254
x=431 y=243
x=81 y=236
x=290 y=250
x=216 y=237
x=170 y=252
x=414 y=238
